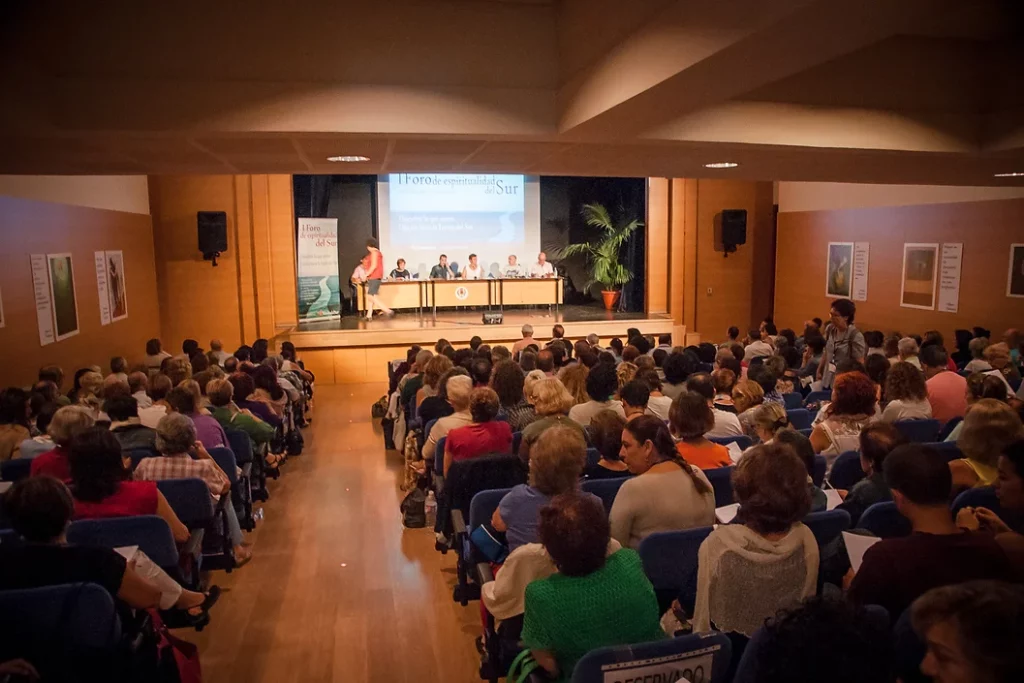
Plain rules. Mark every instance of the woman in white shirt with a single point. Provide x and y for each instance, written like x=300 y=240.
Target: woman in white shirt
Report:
x=668 y=495
x=474 y=271
x=906 y=393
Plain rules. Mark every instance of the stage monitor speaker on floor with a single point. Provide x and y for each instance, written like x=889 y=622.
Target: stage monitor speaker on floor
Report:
x=213 y=234
x=493 y=318
x=734 y=228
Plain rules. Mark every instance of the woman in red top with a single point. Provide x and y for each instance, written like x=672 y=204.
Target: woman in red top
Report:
x=67 y=422
x=485 y=435
x=102 y=487
x=376 y=273
x=690 y=418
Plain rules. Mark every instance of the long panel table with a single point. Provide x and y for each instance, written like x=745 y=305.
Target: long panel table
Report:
x=496 y=292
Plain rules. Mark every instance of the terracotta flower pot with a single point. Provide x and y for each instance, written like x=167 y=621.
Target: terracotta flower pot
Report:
x=610 y=299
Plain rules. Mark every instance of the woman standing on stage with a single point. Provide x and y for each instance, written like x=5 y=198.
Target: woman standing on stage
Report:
x=376 y=274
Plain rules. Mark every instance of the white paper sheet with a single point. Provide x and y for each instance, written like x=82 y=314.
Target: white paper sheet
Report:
x=860 y=271
x=100 y=260
x=950 y=261
x=726 y=513
x=4 y=485
x=856 y=546
x=127 y=551
x=832 y=496
x=41 y=293
x=735 y=452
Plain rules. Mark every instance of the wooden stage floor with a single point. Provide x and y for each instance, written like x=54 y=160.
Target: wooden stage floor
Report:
x=459 y=326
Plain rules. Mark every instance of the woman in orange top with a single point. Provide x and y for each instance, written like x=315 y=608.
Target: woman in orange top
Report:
x=690 y=418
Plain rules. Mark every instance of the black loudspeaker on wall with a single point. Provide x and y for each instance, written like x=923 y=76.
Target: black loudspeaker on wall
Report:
x=213 y=234
x=734 y=229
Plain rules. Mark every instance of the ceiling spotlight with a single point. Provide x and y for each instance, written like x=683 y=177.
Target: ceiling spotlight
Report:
x=350 y=158
x=722 y=164
x=1014 y=174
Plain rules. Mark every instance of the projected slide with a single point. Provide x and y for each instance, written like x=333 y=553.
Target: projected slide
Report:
x=423 y=215
x=456 y=209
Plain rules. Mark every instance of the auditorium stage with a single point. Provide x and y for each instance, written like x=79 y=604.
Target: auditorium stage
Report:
x=352 y=350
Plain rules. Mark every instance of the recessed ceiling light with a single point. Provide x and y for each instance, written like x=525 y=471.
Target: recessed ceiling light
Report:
x=722 y=164
x=351 y=158
x=1014 y=174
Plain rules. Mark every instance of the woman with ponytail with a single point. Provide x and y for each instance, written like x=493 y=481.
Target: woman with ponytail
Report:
x=668 y=495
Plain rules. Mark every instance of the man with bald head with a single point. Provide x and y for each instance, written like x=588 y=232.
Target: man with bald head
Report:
x=542 y=268
x=217 y=351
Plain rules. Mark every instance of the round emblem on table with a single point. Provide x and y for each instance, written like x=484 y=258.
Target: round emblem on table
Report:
x=461 y=293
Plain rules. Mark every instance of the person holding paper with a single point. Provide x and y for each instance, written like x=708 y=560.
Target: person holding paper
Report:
x=542 y=268
x=896 y=571
x=668 y=495
x=768 y=559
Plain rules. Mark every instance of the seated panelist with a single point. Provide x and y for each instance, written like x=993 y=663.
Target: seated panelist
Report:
x=513 y=269
x=442 y=271
x=362 y=272
x=473 y=271
x=400 y=273
x=543 y=267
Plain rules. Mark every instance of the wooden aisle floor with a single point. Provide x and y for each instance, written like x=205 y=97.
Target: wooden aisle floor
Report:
x=337 y=590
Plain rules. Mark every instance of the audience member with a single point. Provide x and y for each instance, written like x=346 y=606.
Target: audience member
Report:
x=227 y=413
x=726 y=422
x=874 y=340
x=40 y=510
x=634 y=396
x=843 y=341
x=876 y=442
x=747 y=395
x=155 y=356
x=437 y=406
x=658 y=403
x=552 y=404
x=977 y=362
x=998 y=356
x=245 y=387
x=177 y=444
x=556 y=463
x=483 y=436
x=593 y=600
x=801 y=445
x=850 y=645
x=158 y=387
x=946 y=389
x=480 y=371
x=668 y=495
x=457 y=389
x=909 y=351
x=605 y=434
x=724 y=380
x=432 y=371
x=677 y=367
x=14 y=422
x=208 y=430
x=126 y=426
x=602 y=384
x=876 y=367
x=67 y=423
x=574 y=379
x=690 y=418
x=625 y=372
x=759 y=345
x=508 y=382
x=102 y=487
x=768 y=380
x=768 y=548
x=768 y=419
x=972 y=632
x=852 y=408
x=41 y=443
x=988 y=428
x=896 y=571
x=814 y=347
x=906 y=394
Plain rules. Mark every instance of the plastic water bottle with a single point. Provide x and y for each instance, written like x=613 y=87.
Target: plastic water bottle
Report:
x=430 y=509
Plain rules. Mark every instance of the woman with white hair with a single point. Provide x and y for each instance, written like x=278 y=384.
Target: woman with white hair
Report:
x=978 y=363
x=909 y=349
x=176 y=442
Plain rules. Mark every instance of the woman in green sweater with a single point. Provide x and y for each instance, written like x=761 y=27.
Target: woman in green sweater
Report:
x=230 y=416
x=593 y=601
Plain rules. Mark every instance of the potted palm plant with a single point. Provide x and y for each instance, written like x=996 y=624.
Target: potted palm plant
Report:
x=602 y=253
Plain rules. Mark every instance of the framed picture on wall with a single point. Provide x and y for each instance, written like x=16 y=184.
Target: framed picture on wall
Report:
x=839 y=270
x=62 y=294
x=920 y=276
x=1015 y=278
x=2 y=323
x=116 y=286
